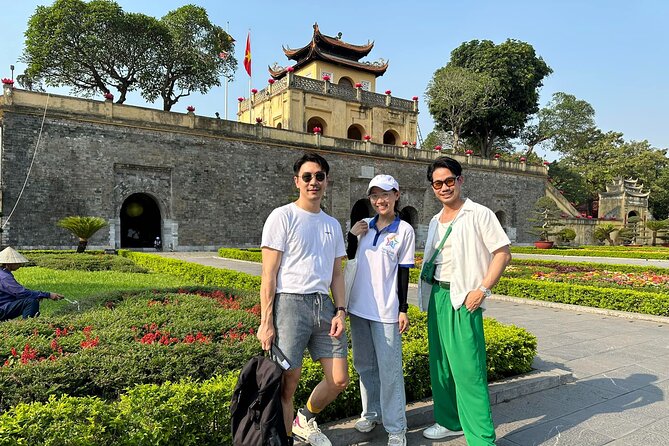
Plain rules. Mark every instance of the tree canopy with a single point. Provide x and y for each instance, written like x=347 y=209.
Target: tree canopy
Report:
x=94 y=47
x=518 y=73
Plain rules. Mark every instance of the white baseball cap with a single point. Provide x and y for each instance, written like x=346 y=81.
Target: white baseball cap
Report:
x=385 y=182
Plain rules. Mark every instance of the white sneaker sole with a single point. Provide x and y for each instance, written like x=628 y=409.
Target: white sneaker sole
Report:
x=366 y=431
x=444 y=435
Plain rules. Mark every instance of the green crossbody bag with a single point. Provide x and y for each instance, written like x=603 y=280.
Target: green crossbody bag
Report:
x=427 y=273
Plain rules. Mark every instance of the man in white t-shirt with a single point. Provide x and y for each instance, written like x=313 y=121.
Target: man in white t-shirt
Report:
x=302 y=253
x=470 y=251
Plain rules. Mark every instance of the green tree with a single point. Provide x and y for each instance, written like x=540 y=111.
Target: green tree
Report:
x=83 y=228
x=457 y=95
x=545 y=216
x=189 y=62
x=90 y=47
x=518 y=72
x=657 y=228
x=603 y=233
x=566 y=122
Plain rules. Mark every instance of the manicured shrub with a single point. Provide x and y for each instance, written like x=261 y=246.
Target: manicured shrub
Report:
x=205 y=275
x=84 y=262
x=250 y=255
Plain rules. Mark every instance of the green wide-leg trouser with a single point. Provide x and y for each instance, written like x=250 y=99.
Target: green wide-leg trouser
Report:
x=458 y=369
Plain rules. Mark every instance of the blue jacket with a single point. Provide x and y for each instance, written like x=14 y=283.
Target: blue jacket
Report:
x=11 y=290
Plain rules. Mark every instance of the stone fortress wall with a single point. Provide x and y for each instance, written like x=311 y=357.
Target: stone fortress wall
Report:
x=214 y=181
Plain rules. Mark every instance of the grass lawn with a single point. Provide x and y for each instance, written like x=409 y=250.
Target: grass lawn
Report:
x=78 y=285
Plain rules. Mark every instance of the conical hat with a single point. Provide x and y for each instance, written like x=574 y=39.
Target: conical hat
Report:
x=10 y=255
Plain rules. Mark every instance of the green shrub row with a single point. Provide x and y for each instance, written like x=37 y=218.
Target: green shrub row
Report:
x=205 y=275
x=241 y=254
x=102 y=351
x=84 y=262
x=608 y=298
x=625 y=252
x=189 y=413
x=185 y=413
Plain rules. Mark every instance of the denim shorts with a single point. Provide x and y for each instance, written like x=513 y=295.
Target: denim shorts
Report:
x=303 y=321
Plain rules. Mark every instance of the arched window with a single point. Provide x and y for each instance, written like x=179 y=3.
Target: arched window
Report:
x=316 y=122
x=391 y=137
x=355 y=132
x=278 y=125
x=346 y=82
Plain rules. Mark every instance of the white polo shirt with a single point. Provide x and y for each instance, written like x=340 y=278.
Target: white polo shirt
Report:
x=475 y=236
x=310 y=243
x=380 y=254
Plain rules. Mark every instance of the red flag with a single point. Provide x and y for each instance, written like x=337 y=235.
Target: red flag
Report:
x=247 y=55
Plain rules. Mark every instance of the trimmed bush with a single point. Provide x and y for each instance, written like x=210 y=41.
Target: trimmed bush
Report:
x=84 y=262
x=185 y=413
x=250 y=255
x=205 y=275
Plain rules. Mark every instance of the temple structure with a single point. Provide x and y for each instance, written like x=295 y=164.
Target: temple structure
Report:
x=329 y=88
x=623 y=199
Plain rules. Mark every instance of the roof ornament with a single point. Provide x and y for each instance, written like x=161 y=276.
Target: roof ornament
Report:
x=338 y=36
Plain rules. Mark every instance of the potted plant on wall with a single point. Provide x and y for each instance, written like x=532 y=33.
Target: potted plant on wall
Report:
x=545 y=218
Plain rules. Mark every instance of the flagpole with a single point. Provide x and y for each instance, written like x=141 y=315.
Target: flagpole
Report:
x=248 y=40
x=226 y=78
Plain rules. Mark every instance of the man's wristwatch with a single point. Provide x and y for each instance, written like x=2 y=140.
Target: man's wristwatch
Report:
x=338 y=309
x=486 y=291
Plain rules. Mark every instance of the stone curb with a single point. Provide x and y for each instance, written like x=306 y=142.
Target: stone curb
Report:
x=582 y=309
x=420 y=413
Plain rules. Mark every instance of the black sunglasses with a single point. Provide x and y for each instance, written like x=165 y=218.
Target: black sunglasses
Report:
x=450 y=182
x=320 y=177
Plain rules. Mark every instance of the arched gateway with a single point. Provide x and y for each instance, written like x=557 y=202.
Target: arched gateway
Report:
x=140 y=221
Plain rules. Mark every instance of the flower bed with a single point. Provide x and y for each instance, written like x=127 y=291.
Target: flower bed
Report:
x=641 y=252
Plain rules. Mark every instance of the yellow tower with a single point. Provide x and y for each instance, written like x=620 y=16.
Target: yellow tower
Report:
x=328 y=88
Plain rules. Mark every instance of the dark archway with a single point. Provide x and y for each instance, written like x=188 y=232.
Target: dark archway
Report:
x=316 y=122
x=361 y=209
x=501 y=217
x=278 y=125
x=410 y=215
x=355 y=132
x=390 y=137
x=140 y=222
x=346 y=82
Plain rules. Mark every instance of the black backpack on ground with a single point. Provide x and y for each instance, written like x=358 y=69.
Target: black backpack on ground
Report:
x=257 y=415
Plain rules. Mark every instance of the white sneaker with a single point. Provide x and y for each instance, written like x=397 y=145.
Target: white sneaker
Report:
x=397 y=439
x=437 y=432
x=364 y=425
x=308 y=431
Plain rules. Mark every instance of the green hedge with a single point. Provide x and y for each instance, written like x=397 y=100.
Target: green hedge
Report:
x=649 y=253
x=189 y=413
x=250 y=255
x=84 y=262
x=608 y=298
x=185 y=413
x=205 y=275
x=102 y=352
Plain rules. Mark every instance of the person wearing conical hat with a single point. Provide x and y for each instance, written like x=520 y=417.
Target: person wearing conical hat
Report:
x=15 y=299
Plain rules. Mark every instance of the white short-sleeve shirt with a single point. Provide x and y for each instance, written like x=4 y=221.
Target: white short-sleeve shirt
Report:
x=475 y=236
x=380 y=254
x=310 y=243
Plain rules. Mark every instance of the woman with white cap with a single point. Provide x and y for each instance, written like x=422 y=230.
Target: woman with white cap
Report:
x=384 y=248
x=16 y=300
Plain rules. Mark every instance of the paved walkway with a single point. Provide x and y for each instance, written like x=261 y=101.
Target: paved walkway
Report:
x=620 y=367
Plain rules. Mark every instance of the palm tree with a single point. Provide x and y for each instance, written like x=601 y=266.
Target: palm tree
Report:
x=82 y=227
x=603 y=232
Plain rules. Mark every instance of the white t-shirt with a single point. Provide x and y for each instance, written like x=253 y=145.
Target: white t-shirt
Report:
x=442 y=262
x=310 y=243
x=380 y=254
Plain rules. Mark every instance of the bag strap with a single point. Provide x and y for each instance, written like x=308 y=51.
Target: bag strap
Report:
x=441 y=244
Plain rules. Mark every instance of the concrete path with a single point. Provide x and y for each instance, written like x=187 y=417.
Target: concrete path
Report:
x=619 y=368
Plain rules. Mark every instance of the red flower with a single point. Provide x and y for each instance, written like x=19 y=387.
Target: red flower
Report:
x=546 y=163
x=316 y=130
x=469 y=152
x=240 y=99
x=6 y=81
x=497 y=156
x=109 y=96
x=415 y=98
x=326 y=77
x=413 y=143
x=388 y=92
x=254 y=90
x=190 y=108
x=270 y=81
x=437 y=148
x=367 y=137
x=290 y=69
x=405 y=143
x=523 y=159
x=358 y=85
x=258 y=119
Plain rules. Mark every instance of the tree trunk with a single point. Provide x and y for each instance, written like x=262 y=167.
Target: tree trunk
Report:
x=82 y=245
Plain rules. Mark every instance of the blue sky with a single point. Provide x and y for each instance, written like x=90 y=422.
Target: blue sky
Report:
x=612 y=53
